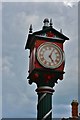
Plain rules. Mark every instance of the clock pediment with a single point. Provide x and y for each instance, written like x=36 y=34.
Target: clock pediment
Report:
x=47 y=33
x=51 y=32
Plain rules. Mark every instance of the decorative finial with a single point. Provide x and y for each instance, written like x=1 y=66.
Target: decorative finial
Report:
x=30 y=29
x=51 y=22
x=60 y=30
x=30 y=82
x=46 y=21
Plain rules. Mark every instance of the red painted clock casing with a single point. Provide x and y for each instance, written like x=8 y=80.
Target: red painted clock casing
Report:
x=35 y=65
x=36 y=70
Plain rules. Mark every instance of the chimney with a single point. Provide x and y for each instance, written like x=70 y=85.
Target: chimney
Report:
x=74 y=108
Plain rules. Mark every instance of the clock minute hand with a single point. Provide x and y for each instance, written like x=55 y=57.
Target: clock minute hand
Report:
x=51 y=52
x=50 y=55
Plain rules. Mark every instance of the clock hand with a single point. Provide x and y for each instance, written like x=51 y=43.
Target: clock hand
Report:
x=51 y=55
x=52 y=59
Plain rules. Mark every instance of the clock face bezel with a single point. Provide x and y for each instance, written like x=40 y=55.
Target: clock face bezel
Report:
x=48 y=44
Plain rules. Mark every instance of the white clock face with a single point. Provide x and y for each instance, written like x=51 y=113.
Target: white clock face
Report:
x=50 y=55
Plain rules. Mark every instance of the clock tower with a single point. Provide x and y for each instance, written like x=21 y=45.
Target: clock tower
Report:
x=46 y=64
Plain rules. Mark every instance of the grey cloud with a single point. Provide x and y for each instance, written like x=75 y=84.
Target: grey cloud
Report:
x=59 y=109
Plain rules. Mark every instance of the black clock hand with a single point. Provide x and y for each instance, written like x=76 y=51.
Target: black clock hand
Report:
x=51 y=55
x=51 y=59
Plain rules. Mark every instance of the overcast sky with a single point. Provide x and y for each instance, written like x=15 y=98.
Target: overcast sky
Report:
x=19 y=98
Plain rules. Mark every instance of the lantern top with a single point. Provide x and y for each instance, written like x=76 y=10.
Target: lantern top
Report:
x=46 y=22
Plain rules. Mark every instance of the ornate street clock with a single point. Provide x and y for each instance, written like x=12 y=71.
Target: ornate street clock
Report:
x=46 y=53
x=46 y=64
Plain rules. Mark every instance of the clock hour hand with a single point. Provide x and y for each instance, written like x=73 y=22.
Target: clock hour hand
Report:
x=51 y=58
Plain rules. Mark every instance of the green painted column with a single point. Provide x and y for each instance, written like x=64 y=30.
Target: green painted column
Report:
x=44 y=106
